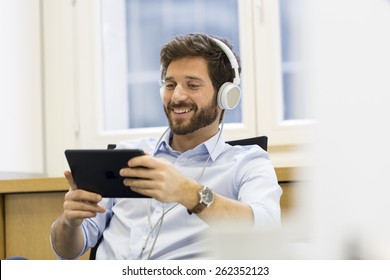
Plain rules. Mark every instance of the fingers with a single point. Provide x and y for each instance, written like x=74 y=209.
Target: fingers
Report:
x=146 y=167
x=69 y=177
x=78 y=194
x=145 y=187
x=75 y=218
x=145 y=161
x=149 y=176
x=80 y=204
x=84 y=196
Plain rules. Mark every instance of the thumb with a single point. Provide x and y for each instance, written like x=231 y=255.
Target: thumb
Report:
x=69 y=177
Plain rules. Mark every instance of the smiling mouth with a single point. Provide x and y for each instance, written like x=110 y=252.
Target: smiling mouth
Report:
x=181 y=111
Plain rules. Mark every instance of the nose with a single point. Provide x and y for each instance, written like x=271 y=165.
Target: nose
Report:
x=179 y=94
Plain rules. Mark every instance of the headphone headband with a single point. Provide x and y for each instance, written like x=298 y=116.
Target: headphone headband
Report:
x=231 y=57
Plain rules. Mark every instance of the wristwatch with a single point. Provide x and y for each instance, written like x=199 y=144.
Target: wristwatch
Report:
x=206 y=198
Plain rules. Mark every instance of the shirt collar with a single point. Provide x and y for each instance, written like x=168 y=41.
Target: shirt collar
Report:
x=213 y=146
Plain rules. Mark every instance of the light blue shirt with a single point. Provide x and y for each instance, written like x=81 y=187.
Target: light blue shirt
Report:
x=132 y=226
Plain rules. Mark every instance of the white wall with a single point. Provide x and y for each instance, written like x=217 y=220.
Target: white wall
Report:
x=21 y=141
x=349 y=206
x=61 y=83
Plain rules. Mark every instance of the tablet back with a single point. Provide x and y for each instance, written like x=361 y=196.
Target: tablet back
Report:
x=98 y=170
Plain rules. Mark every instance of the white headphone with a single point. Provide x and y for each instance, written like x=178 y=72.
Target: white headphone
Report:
x=229 y=94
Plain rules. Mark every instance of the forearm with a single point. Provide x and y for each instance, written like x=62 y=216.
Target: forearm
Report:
x=67 y=241
x=222 y=210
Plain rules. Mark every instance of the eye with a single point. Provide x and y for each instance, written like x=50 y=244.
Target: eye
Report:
x=193 y=86
x=169 y=85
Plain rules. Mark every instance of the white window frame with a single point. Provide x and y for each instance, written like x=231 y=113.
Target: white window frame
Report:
x=288 y=139
x=269 y=84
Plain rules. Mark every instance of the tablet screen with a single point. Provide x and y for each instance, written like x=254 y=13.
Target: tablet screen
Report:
x=98 y=170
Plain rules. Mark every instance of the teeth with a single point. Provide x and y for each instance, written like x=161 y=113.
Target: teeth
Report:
x=181 y=111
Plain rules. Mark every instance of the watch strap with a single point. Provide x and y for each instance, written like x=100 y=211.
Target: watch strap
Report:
x=198 y=208
x=205 y=200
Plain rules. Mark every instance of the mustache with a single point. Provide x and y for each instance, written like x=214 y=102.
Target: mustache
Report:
x=181 y=104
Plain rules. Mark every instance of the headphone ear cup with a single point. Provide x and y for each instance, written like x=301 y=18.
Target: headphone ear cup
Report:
x=229 y=96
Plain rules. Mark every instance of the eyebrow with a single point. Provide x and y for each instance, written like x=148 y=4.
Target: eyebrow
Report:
x=192 y=78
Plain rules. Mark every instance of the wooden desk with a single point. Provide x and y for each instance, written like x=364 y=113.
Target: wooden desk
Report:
x=28 y=207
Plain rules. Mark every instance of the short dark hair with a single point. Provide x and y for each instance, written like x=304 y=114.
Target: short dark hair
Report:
x=198 y=44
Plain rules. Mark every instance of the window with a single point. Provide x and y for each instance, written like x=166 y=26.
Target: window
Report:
x=282 y=105
x=295 y=103
x=133 y=32
x=106 y=58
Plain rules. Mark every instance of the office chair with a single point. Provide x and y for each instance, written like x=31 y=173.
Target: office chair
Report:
x=261 y=141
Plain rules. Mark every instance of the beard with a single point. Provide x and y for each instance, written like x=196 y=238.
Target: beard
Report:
x=201 y=118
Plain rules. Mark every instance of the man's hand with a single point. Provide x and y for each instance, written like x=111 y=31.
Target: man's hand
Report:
x=79 y=204
x=159 y=179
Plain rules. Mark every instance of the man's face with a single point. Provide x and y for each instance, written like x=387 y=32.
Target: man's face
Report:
x=189 y=99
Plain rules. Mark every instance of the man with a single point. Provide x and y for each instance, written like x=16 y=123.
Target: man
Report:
x=193 y=177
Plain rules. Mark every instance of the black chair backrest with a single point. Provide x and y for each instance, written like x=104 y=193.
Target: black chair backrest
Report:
x=261 y=141
x=111 y=146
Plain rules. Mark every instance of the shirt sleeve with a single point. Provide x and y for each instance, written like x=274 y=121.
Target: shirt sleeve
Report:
x=259 y=188
x=93 y=227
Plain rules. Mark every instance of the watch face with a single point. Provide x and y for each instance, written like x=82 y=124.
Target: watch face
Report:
x=207 y=196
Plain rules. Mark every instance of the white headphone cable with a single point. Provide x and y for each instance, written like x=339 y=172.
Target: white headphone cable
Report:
x=160 y=221
x=212 y=151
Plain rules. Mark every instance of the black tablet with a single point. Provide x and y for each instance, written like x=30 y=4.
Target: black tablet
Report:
x=98 y=170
